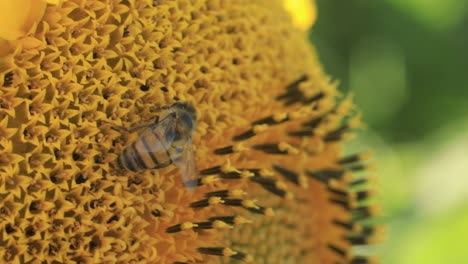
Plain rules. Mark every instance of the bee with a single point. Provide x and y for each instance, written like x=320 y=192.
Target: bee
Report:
x=166 y=141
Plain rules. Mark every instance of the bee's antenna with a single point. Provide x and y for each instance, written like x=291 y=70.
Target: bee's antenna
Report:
x=159 y=108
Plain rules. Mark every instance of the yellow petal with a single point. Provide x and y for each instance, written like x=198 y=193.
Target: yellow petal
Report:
x=54 y=2
x=18 y=17
x=303 y=12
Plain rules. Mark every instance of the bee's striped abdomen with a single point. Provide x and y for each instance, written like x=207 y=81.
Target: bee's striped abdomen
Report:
x=149 y=151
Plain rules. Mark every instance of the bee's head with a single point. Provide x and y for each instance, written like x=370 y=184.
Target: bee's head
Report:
x=186 y=113
x=184 y=106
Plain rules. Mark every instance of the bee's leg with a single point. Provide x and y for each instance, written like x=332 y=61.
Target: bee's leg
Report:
x=128 y=129
x=138 y=127
x=159 y=108
x=149 y=123
x=157 y=118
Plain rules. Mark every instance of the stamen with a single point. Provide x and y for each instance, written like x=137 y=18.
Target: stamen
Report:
x=361 y=167
x=226 y=252
x=265 y=173
x=230 y=149
x=288 y=174
x=364 y=195
x=228 y=168
x=358 y=240
x=210 y=171
x=292 y=90
x=180 y=227
x=211 y=225
x=272 y=119
x=339 y=251
x=281 y=148
x=355 y=158
x=250 y=133
x=337 y=134
x=314 y=98
x=220 y=222
x=345 y=203
x=232 y=220
x=226 y=193
x=237 y=174
x=365 y=180
x=265 y=181
x=207 y=202
x=364 y=212
x=338 y=192
x=249 y=205
x=315 y=122
x=350 y=226
x=363 y=260
x=342 y=132
x=304 y=99
x=272 y=185
x=325 y=175
x=279 y=192
x=358 y=182
x=301 y=133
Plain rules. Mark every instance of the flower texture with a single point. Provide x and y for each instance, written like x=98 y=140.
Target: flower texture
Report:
x=273 y=183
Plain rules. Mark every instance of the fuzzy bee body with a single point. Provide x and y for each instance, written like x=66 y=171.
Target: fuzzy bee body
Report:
x=149 y=151
x=165 y=142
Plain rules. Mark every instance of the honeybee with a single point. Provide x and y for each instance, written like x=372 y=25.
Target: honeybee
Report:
x=166 y=141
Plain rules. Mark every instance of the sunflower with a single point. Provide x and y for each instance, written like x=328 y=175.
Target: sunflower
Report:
x=273 y=185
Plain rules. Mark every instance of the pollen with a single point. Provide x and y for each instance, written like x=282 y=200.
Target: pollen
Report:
x=272 y=183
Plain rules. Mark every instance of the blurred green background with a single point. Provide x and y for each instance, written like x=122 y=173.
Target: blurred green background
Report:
x=406 y=62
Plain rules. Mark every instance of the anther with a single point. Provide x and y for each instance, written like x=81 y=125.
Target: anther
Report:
x=249 y=205
x=350 y=226
x=287 y=174
x=301 y=133
x=292 y=90
x=251 y=132
x=207 y=202
x=337 y=134
x=230 y=149
x=210 y=171
x=232 y=220
x=180 y=227
x=226 y=193
x=272 y=119
x=337 y=250
x=281 y=148
x=228 y=168
x=226 y=252
x=325 y=175
x=355 y=158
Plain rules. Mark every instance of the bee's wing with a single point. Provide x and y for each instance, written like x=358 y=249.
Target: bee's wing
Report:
x=186 y=164
x=168 y=126
x=165 y=132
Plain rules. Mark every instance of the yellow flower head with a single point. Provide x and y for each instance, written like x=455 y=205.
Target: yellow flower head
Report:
x=273 y=184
